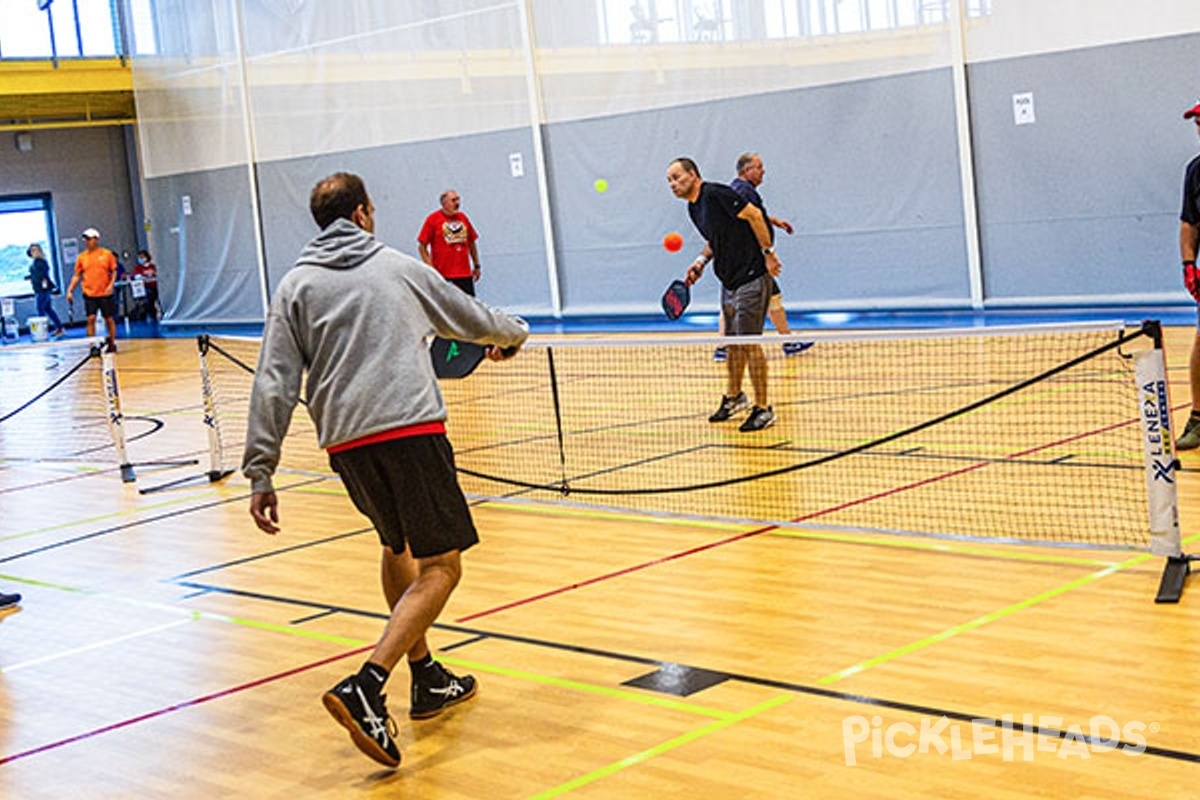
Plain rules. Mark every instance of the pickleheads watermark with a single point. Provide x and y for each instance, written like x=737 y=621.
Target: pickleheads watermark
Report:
x=1007 y=737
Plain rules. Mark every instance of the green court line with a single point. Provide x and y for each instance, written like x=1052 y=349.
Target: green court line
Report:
x=192 y=613
x=645 y=755
x=292 y=630
x=591 y=688
x=993 y=616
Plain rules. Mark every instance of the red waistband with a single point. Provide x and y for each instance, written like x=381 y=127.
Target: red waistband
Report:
x=420 y=429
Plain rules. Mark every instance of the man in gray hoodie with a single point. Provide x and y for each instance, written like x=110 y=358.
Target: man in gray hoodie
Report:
x=354 y=314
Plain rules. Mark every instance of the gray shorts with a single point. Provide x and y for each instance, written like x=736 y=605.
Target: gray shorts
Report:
x=745 y=308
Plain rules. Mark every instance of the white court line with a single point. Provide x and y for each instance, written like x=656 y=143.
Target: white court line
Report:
x=97 y=645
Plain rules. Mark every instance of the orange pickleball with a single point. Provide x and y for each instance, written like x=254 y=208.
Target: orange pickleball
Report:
x=673 y=242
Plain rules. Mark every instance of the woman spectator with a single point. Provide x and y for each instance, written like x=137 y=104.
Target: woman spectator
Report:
x=43 y=287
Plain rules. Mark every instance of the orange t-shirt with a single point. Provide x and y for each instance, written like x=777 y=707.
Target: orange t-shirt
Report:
x=98 y=269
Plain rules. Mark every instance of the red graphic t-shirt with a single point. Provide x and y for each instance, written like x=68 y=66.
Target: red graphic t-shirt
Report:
x=449 y=242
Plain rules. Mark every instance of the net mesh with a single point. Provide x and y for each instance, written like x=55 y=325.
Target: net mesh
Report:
x=53 y=405
x=227 y=373
x=1028 y=435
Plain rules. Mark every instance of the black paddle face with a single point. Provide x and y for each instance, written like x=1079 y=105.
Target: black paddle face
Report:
x=675 y=300
x=455 y=359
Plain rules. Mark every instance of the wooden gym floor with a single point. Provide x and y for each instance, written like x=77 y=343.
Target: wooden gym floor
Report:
x=166 y=648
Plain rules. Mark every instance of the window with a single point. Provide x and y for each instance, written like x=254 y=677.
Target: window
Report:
x=73 y=28
x=663 y=21
x=25 y=219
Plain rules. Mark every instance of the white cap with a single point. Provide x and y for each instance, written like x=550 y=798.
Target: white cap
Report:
x=91 y=233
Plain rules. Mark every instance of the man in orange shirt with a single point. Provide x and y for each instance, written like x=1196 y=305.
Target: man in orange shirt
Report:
x=96 y=268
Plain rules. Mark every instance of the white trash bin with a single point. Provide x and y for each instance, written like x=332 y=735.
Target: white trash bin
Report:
x=39 y=328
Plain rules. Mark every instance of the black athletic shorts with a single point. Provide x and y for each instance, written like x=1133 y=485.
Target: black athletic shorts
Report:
x=408 y=489
x=467 y=284
x=106 y=305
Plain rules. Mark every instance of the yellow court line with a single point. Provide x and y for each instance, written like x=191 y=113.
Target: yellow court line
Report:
x=551 y=510
x=657 y=750
x=783 y=529
x=125 y=512
x=990 y=617
x=944 y=547
x=591 y=688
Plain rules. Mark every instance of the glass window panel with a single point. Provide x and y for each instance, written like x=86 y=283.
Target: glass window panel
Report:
x=23 y=220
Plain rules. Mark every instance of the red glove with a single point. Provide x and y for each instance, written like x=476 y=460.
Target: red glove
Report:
x=1191 y=279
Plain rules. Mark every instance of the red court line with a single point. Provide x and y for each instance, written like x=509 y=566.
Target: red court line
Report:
x=180 y=706
x=729 y=540
x=618 y=573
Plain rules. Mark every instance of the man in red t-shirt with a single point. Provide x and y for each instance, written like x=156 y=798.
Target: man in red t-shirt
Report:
x=447 y=242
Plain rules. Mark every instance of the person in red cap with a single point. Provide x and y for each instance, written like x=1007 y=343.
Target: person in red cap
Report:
x=1189 y=237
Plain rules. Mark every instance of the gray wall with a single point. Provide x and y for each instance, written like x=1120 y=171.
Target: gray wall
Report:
x=208 y=267
x=1079 y=208
x=1084 y=203
x=867 y=172
x=404 y=182
x=87 y=174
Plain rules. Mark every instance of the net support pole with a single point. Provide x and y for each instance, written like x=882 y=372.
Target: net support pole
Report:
x=116 y=420
x=216 y=467
x=1162 y=467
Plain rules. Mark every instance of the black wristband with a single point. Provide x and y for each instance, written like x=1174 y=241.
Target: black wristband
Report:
x=1190 y=261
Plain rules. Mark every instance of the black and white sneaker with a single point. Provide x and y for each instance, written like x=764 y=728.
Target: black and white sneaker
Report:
x=759 y=419
x=371 y=729
x=437 y=689
x=730 y=406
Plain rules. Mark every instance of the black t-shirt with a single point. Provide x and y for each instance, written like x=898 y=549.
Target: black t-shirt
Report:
x=1191 y=194
x=39 y=276
x=737 y=255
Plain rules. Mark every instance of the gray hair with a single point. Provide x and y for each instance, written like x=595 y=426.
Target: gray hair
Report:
x=744 y=161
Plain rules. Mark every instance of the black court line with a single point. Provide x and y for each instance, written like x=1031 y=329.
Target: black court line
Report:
x=138 y=523
x=479 y=634
x=329 y=612
x=463 y=643
x=268 y=554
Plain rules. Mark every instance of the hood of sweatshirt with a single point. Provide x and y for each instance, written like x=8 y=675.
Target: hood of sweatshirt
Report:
x=342 y=245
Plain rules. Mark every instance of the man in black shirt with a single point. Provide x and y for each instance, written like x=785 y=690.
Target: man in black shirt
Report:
x=739 y=239
x=1189 y=237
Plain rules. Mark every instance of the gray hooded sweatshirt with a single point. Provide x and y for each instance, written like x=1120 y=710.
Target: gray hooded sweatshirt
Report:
x=354 y=314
